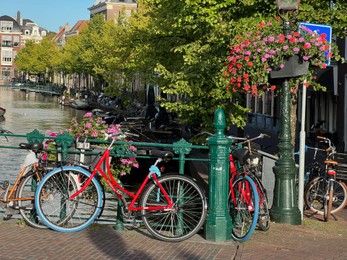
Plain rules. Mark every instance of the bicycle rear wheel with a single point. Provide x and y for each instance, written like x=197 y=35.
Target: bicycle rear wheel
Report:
x=328 y=204
x=188 y=214
x=264 y=212
x=243 y=208
x=26 y=204
x=57 y=210
x=315 y=192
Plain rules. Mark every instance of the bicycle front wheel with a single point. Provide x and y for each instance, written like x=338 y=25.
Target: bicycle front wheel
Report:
x=314 y=196
x=57 y=210
x=26 y=204
x=188 y=213
x=243 y=208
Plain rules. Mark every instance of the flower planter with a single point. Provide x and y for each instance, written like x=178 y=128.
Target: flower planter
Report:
x=293 y=67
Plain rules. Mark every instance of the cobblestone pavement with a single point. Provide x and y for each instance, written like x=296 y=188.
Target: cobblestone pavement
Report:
x=314 y=239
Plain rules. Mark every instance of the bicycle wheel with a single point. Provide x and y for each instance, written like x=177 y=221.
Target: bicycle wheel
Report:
x=315 y=192
x=243 y=208
x=264 y=212
x=26 y=204
x=186 y=217
x=57 y=210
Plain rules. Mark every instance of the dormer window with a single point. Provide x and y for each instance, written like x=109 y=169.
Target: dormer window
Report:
x=6 y=26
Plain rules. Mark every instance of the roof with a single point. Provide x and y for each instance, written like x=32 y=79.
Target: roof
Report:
x=16 y=26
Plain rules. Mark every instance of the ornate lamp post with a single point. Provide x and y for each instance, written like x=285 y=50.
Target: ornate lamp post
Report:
x=285 y=206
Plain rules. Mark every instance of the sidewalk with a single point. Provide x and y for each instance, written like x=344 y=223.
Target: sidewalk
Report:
x=312 y=240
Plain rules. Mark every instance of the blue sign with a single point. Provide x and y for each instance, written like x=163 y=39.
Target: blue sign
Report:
x=319 y=29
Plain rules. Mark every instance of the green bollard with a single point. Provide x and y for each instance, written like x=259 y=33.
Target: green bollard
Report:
x=119 y=222
x=218 y=223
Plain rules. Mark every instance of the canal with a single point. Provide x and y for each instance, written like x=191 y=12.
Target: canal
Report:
x=24 y=113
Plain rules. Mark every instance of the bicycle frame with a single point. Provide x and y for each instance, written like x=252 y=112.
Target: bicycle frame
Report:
x=234 y=172
x=118 y=189
x=9 y=192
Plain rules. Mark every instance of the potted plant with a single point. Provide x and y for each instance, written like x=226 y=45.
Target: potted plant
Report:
x=90 y=127
x=260 y=55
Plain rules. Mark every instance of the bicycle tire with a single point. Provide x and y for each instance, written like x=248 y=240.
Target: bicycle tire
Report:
x=329 y=204
x=244 y=215
x=315 y=192
x=190 y=208
x=57 y=210
x=264 y=212
x=26 y=189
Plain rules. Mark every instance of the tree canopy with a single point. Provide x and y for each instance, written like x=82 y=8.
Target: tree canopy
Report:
x=179 y=45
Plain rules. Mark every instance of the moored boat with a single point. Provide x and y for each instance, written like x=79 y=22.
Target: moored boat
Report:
x=2 y=111
x=80 y=104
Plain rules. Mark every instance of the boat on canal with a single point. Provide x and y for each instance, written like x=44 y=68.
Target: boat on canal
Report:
x=2 y=111
x=80 y=104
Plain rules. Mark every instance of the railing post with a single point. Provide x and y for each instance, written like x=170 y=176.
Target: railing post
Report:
x=182 y=147
x=64 y=140
x=218 y=223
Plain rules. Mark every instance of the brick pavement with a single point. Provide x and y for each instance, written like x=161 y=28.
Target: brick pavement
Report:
x=313 y=239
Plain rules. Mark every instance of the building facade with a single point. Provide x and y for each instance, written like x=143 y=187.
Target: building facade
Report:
x=112 y=8
x=14 y=32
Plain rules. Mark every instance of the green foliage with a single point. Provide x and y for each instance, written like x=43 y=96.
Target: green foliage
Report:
x=181 y=46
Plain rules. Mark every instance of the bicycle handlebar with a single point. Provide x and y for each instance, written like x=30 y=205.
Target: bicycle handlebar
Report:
x=247 y=140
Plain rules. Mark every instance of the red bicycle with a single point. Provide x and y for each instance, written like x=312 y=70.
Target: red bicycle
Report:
x=172 y=207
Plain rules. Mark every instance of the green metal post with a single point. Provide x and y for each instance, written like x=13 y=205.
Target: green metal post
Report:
x=119 y=222
x=64 y=140
x=285 y=207
x=218 y=223
x=182 y=147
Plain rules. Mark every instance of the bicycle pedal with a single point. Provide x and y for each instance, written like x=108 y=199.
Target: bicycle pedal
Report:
x=7 y=217
x=5 y=184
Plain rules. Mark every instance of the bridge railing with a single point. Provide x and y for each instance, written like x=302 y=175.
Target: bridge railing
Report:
x=66 y=151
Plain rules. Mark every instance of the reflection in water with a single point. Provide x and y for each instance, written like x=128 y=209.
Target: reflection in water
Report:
x=24 y=113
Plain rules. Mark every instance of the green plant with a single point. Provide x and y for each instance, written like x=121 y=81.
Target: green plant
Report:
x=256 y=53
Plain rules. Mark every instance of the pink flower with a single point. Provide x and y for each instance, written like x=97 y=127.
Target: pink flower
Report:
x=271 y=39
x=307 y=45
x=89 y=114
x=88 y=125
x=94 y=134
x=296 y=49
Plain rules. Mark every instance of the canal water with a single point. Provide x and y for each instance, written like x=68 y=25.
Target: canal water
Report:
x=24 y=113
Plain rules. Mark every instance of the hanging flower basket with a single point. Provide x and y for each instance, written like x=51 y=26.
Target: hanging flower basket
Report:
x=264 y=53
x=293 y=67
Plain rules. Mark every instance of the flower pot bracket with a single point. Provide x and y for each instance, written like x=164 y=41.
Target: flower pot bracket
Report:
x=293 y=67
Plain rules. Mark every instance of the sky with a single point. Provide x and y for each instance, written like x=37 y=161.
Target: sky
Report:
x=48 y=14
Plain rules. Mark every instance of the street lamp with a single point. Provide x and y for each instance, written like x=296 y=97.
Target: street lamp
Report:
x=285 y=205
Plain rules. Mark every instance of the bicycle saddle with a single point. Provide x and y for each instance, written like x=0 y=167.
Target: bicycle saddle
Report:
x=35 y=147
x=241 y=155
x=165 y=155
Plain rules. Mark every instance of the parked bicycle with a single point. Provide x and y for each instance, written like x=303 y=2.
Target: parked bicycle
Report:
x=244 y=162
x=324 y=195
x=20 y=195
x=172 y=207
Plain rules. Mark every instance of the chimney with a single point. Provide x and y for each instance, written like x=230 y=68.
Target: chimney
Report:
x=19 y=20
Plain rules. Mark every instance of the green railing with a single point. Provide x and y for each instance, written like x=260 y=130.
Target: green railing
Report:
x=218 y=222
x=66 y=150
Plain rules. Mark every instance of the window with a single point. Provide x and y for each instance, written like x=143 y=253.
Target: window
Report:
x=15 y=41
x=6 y=41
x=6 y=26
x=6 y=57
x=6 y=72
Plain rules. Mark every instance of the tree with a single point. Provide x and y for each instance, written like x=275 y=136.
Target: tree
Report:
x=38 y=58
x=186 y=42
